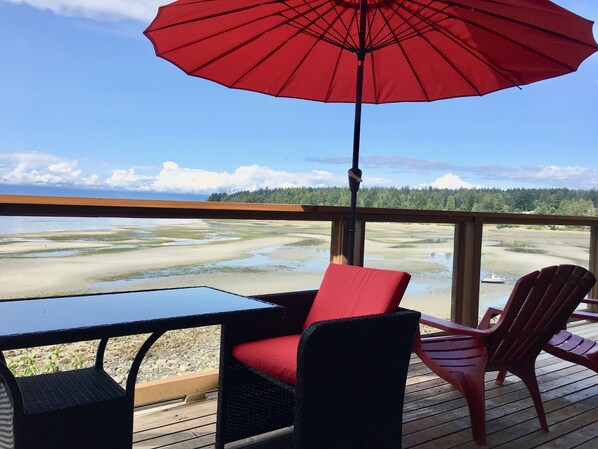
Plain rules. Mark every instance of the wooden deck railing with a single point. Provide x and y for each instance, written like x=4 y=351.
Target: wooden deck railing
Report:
x=468 y=236
x=468 y=233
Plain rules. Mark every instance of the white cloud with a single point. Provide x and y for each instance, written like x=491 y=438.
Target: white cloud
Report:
x=548 y=175
x=396 y=162
x=33 y=168
x=555 y=173
x=39 y=168
x=143 y=10
x=451 y=181
x=128 y=179
x=173 y=178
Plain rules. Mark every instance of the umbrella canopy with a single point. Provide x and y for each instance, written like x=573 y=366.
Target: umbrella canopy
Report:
x=371 y=51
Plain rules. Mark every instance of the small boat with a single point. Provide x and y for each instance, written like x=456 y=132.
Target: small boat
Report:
x=493 y=279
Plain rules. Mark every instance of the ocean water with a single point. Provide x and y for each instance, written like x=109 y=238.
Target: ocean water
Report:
x=33 y=225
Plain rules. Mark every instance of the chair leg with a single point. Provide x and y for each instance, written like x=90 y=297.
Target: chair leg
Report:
x=500 y=378
x=528 y=376
x=475 y=395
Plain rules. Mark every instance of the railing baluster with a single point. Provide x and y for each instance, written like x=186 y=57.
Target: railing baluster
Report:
x=338 y=241
x=338 y=237
x=465 y=296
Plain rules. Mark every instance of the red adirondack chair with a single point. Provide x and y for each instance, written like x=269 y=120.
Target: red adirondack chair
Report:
x=564 y=344
x=540 y=304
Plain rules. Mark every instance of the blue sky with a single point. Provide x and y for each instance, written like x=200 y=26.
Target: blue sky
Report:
x=85 y=102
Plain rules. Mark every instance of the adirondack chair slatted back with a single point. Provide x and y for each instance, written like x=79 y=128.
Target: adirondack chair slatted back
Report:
x=538 y=307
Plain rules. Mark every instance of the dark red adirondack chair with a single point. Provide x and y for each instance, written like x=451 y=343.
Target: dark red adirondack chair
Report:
x=564 y=344
x=540 y=304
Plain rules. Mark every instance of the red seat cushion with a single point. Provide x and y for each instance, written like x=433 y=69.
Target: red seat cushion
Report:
x=349 y=291
x=276 y=357
x=346 y=291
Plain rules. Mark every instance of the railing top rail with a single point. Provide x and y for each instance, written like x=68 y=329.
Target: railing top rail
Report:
x=56 y=206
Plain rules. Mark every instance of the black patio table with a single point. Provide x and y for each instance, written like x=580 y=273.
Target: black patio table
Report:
x=102 y=411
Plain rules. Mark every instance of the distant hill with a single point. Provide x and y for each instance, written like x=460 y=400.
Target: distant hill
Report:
x=96 y=193
x=542 y=201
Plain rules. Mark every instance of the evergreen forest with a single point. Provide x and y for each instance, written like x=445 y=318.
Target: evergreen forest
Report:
x=540 y=201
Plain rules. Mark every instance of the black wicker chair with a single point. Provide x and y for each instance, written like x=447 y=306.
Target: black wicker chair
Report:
x=82 y=408
x=350 y=382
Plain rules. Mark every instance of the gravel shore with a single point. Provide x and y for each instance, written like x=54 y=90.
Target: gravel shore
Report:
x=175 y=353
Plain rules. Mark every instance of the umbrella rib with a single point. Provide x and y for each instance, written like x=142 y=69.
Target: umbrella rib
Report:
x=398 y=41
x=393 y=38
x=441 y=54
x=320 y=38
x=334 y=73
x=484 y=60
x=377 y=11
x=411 y=31
x=298 y=31
x=262 y=60
x=204 y=38
x=324 y=32
x=509 y=19
x=199 y=19
x=288 y=21
x=507 y=38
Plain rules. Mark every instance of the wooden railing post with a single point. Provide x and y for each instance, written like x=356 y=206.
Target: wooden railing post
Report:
x=593 y=262
x=465 y=297
x=338 y=241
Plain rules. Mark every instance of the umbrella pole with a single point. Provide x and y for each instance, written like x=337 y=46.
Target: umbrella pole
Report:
x=355 y=172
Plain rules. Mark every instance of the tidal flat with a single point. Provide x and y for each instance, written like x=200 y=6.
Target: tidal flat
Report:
x=250 y=257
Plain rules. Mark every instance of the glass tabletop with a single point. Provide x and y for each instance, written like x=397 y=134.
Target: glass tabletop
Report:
x=71 y=318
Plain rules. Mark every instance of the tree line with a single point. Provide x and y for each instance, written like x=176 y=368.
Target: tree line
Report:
x=541 y=201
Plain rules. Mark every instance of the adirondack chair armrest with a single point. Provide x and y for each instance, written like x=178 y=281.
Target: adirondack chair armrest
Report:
x=590 y=301
x=579 y=314
x=586 y=314
x=451 y=327
x=491 y=312
x=583 y=315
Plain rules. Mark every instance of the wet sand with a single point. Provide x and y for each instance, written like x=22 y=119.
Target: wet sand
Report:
x=272 y=257
x=252 y=258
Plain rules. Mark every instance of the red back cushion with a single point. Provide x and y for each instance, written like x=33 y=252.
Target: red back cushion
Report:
x=348 y=291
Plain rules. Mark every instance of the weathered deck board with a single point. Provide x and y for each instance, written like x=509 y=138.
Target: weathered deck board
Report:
x=435 y=414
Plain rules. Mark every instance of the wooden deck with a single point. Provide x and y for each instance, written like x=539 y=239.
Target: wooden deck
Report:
x=435 y=416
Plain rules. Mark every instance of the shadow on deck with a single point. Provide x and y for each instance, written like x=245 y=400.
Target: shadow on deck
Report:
x=435 y=415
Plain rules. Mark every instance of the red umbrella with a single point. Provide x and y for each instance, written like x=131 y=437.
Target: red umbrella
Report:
x=372 y=51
